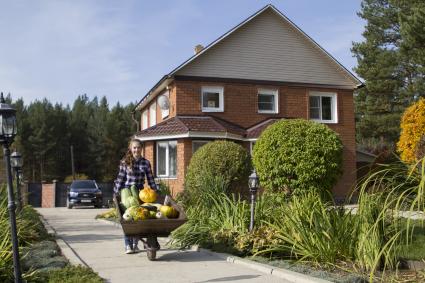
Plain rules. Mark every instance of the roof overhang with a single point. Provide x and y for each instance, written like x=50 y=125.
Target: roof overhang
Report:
x=159 y=87
x=193 y=134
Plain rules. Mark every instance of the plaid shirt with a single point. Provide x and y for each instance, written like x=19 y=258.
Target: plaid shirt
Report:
x=126 y=177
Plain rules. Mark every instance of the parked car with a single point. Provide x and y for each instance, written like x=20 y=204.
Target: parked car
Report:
x=84 y=193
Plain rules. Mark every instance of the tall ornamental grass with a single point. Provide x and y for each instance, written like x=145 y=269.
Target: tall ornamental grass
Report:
x=311 y=230
x=389 y=193
x=213 y=216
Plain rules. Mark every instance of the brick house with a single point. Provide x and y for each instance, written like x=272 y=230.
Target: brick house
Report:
x=262 y=70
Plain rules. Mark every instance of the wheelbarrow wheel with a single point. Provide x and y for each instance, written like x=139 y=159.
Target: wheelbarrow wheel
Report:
x=151 y=254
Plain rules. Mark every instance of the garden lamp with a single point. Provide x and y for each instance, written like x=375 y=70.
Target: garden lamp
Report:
x=253 y=184
x=8 y=131
x=16 y=161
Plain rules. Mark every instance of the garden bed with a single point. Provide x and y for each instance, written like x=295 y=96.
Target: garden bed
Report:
x=40 y=257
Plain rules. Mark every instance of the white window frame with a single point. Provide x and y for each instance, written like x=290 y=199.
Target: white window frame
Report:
x=204 y=142
x=271 y=92
x=334 y=106
x=145 y=119
x=167 y=160
x=220 y=91
x=152 y=114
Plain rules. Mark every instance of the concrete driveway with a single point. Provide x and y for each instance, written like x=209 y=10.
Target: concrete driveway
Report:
x=100 y=245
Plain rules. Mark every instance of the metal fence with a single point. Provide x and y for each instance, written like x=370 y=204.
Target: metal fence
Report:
x=34 y=194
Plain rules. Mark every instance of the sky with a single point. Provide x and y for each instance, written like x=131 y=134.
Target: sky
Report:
x=59 y=49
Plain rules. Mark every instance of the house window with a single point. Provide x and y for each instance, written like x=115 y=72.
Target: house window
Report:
x=152 y=115
x=323 y=107
x=166 y=156
x=268 y=101
x=145 y=119
x=197 y=144
x=212 y=99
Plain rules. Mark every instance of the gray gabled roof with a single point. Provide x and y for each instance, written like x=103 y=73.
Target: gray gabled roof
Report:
x=167 y=78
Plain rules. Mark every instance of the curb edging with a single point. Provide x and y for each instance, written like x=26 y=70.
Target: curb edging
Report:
x=288 y=275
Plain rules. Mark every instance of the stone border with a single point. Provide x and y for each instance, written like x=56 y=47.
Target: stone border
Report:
x=288 y=275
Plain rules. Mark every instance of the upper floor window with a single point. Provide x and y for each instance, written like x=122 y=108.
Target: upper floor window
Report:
x=323 y=107
x=152 y=115
x=268 y=101
x=212 y=99
x=145 y=119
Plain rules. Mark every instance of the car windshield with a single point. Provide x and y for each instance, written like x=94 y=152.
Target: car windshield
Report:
x=86 y=184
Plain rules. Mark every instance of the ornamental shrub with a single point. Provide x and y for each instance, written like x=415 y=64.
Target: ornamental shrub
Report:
x=226 y=159
x=412 y=130
x=293 y=155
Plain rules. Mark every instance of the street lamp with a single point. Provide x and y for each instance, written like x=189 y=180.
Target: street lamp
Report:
x=7 y=134
x=253 y=184
x=16 y=161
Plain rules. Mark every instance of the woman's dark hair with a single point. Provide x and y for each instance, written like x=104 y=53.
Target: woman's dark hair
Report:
x=128 y=158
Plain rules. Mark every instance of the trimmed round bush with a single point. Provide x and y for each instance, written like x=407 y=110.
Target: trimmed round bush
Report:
x=224 y=159
x=293 y=155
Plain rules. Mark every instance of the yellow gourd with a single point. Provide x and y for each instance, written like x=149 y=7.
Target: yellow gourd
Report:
x=147 y=195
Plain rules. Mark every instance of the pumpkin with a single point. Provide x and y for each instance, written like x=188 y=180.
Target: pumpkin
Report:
x=147 y=195
x=169 y=211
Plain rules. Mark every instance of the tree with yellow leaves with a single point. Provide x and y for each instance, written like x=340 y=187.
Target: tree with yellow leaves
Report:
x=412 y=132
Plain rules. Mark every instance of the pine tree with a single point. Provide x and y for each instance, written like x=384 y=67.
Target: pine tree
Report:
x=392 y=76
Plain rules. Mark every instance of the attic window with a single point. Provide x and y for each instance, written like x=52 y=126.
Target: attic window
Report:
x=212 y=99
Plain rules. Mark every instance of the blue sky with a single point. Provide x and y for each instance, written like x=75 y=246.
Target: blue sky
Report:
x=60 y=49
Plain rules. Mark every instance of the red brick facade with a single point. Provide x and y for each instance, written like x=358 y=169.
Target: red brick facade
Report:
x=240 y=108
x=48 y=195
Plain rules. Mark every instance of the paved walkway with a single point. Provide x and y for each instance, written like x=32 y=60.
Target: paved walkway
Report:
x=100 y=245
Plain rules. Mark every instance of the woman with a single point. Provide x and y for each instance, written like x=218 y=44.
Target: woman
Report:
x=132 y=171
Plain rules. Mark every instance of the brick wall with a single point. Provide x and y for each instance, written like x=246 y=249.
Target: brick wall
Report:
x=48 y=195
x=240 y=107
x=240 y=102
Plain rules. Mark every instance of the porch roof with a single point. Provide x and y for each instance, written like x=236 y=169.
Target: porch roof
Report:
x=201 y=127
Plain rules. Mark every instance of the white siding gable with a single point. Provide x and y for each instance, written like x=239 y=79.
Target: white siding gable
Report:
x=269 y=48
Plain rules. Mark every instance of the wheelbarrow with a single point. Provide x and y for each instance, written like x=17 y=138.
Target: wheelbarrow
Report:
x=149 y=230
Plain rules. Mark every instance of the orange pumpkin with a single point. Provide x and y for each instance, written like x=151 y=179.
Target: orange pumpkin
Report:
x=147 y=195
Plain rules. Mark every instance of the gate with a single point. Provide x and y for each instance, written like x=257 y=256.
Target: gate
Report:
x=34 y=194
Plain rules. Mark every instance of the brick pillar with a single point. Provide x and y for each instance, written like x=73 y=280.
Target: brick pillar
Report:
x=48 y=195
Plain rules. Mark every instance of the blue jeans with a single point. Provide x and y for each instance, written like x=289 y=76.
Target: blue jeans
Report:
x=131 y=241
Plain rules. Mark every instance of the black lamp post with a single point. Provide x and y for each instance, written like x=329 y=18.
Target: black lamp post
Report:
x=7 y=134
x=16 y=161
x=253 y=184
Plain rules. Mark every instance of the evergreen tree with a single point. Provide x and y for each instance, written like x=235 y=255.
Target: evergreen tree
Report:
x=79 y=118
x=98 y=146
x=392 y=76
